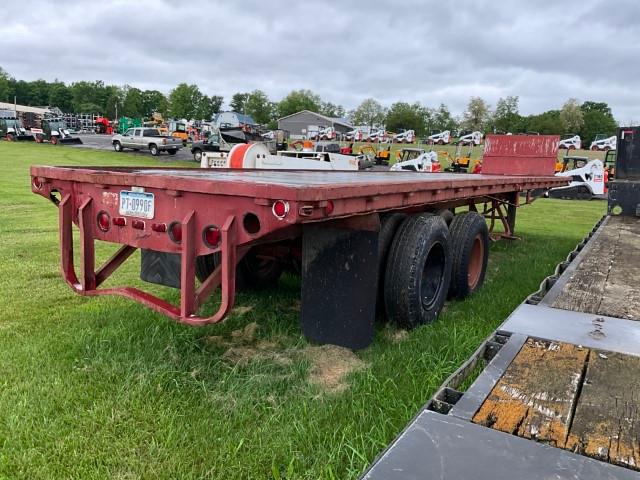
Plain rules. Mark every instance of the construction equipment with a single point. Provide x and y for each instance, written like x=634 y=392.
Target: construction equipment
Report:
x=354 y=135
x=416 y=160
x=405 y=136
x=103 y=126
x=377 y=135
x=470 y=138
x=587 y=178
x=178 y=129
x=328 y=133
x=570 y=142
x=380 y=156
x=439 y=138
x=603 y=142
x=11 y=129
x=55 y=131
x=460 y=162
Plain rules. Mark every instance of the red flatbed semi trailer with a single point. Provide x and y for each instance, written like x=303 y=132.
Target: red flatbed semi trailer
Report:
x=336 y=228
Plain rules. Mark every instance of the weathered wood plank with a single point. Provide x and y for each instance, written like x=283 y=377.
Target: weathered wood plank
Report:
x=621 y=295
x=535 y=396
x=606 y=424
x=583 y=292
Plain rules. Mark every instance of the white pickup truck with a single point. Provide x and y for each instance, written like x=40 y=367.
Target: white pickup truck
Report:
x=146 y=139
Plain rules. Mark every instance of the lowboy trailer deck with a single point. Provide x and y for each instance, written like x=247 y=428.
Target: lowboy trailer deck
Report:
x=353 y=236
x=558 y=394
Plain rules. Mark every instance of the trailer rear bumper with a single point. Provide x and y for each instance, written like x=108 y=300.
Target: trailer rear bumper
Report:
x=191 y=298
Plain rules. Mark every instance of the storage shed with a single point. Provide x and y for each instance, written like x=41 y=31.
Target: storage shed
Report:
x=298 y=123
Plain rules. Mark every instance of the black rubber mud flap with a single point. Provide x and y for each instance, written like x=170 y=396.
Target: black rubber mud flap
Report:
x=339 y=285
x=160 y=267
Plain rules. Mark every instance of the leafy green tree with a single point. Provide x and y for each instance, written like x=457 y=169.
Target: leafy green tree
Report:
x=5 y=87
x=403 y=116
x=443 y=120
x=133 y=105
x=88 y=97
x=331 y=110
x=597 y=118
x=571 y=116
x=259 y=107
x=369 y=113
x=154 y=101
x=546 y=123
x=506 y=117
x=298 y=100
x=60 y=96
x=208 y=106
x=476 y=116
x=184 y=101
x=238 y=102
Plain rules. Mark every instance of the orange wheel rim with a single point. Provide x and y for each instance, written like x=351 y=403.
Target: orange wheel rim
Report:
x=476 y=260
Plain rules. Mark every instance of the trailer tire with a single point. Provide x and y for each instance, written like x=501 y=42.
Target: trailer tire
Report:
x=117 y=146
x=418 y=271
x=153 y=148
x=389 y=225
x=470 y=253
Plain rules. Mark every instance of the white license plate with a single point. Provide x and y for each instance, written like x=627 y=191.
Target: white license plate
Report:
x=136 y=204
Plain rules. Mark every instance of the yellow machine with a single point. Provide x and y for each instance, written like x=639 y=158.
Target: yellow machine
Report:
x=380 y=156
x=178 y=130
x=460 y=163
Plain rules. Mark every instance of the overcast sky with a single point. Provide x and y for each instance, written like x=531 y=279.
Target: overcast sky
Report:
x=544 y=51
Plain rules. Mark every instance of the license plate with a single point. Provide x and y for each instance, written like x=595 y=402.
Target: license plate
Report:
x=136 y=204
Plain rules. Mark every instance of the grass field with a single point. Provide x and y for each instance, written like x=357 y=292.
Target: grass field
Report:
x=103 y=388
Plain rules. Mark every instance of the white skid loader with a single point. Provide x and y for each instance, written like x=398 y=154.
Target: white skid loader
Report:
x=570 y=142
x=601 y=142
x=439 y=138
x=473 y=138
x=587 y=179
x=416 y=160
x=407 y=136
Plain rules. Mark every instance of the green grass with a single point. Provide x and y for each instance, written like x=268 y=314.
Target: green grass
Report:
x=104 y=388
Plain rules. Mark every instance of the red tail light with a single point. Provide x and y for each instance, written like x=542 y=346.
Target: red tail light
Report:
x=160 y=227
x=329 y=208
x=104 y=221
x=280 y=209
x=119 y=221
x=138 y=224
x=175 y=232
x=212 y=236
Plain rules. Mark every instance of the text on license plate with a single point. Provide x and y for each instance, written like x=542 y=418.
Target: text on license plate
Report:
x=136 y=204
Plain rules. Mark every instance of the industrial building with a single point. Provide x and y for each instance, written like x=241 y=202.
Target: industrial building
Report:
x=298 y=123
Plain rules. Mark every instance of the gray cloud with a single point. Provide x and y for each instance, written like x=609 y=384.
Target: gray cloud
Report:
x=544 y=51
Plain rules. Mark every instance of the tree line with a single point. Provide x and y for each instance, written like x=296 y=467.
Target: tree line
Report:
x=187 y=101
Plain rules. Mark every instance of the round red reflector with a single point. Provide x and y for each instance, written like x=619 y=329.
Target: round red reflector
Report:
x=104 y=222
x=329 y=208
x=212 y=236
x=280 y=208
x=175 y=232
x=37 y=183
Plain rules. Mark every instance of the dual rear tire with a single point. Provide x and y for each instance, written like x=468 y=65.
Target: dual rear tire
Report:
x=428 y=262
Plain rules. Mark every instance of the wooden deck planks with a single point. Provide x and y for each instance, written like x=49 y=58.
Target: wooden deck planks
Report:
x=607 y=418
x=535 y=397
x=570 y=397
x=607 y=282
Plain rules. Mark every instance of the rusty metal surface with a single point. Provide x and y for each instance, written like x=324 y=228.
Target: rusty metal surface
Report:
x=520 y=154
x=298 y=185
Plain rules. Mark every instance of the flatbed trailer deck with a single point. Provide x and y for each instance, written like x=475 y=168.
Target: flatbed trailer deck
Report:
x=327 y=222
x=558 y=394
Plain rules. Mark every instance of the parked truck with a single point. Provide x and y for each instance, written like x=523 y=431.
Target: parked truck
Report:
x=146 y=139
x=357 y=238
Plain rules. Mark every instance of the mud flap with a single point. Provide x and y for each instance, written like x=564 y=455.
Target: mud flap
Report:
x=339 y=285
x=160 y=267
